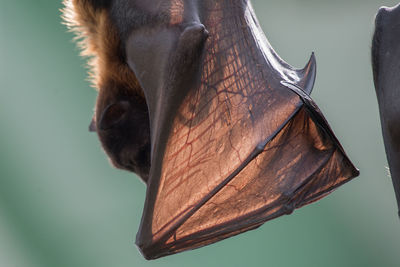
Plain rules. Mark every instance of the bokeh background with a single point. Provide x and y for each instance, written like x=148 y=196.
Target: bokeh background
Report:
x=62 y=205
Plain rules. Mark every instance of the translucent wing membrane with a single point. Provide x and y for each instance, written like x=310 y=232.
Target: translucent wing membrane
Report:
x=243 y=147
x=297 y=166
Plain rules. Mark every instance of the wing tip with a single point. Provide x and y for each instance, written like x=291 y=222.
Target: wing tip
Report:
x=146 y=251
x=356 y=172
x=154 y=249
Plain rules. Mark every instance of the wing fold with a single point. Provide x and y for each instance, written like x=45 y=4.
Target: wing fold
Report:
x=298 y=166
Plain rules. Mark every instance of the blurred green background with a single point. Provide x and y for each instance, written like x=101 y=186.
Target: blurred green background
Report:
x=61 y=204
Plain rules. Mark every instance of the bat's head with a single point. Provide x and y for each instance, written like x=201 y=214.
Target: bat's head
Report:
x=122 y=124
x=124 y=37
x=121 y=116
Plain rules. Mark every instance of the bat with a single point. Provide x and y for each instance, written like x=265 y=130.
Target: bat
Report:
x=193 y=99
x=386 y=72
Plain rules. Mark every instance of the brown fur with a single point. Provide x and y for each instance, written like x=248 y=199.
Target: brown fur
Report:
x=98 y=38
x=127 y=142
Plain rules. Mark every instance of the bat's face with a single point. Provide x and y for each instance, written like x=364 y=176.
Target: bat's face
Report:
x=121 y=114
x=147 y=33
x=122 y=124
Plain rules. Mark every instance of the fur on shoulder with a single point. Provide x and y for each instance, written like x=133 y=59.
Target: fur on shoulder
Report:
x=98 y=39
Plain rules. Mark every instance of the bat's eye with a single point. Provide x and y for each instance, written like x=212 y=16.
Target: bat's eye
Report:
x=113 y=114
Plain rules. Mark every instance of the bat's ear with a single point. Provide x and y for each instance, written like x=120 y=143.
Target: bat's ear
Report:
x=92 y=125
x=113 y=115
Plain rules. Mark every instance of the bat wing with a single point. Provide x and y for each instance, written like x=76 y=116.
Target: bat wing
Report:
x=386 y=66
x=218 y=126
x=236 y=139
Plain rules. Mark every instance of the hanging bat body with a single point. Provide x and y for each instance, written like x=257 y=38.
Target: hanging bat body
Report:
x=194 y=100
x=386 y=70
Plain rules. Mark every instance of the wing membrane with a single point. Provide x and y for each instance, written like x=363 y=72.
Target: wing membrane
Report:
x=298 y=166
x=243 y=147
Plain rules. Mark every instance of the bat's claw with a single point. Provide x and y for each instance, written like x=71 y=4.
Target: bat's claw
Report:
x=289 y=208
x=194 y=33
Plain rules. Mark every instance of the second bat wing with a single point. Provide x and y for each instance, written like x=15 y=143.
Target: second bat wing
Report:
x=386 y=70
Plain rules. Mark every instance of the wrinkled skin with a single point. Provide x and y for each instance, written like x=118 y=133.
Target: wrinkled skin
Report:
x=232 y=137
x=386 y=70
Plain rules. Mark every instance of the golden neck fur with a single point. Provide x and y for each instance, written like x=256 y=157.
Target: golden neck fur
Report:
x=99 y=40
